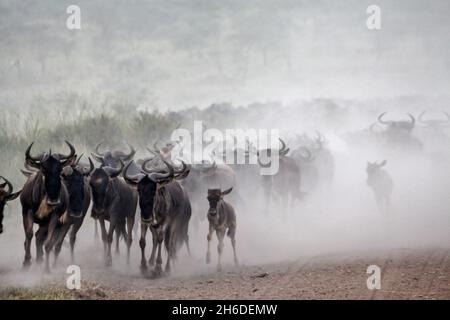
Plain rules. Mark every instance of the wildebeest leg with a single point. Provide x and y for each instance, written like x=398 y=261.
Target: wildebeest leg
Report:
x=151 y=262
x=28 y=229
x=112 y=226
x=49 y=241
x=232 y=235
x=220 y=235
x=186 y=240
x=118 y=231
x=40 y=237
x=142 y=243
x=73 y=238
x=96 y=229
x=160 y=238
x=129 y=236
x=60 y=235
x=104 y=236
x=209 y=237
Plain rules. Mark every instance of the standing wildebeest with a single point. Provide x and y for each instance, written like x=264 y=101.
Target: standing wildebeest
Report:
x=113 y=201
x=75 y=178
x=5 y=196
x=44 y=200
x=381 y=183
x=165 y=209
x=284 y=185
x=221 y=217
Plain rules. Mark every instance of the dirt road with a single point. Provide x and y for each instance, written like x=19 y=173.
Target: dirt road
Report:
x=405 y=274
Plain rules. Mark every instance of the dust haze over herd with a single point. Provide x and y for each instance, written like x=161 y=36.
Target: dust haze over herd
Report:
x=137 y=70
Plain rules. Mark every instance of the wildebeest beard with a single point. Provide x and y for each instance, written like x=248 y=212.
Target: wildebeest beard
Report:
x=75 y=187
x=51 y=169
x=147 y=190
x=99 y=183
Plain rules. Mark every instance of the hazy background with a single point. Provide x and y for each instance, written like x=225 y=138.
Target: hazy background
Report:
x=174 y=54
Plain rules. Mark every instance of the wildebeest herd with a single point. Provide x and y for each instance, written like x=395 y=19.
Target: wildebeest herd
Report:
x=171 y=195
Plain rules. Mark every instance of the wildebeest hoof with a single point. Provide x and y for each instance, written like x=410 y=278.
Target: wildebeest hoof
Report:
x=151 y=262
x=219 y=268
x=26 y=265
x=39 y=260
x=143 y=268
x=108 y=262
x=208 y=257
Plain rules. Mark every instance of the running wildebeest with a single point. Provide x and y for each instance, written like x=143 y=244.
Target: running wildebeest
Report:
x=283 y=185
x=75 y=178
x=222 y=219
x=44 y=200
x=6 y=194
x=113 y=201
x=165 y=209
x=381 y=183
x=112 y=158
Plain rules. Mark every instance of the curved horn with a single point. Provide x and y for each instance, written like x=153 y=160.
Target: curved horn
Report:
x=78 y=160
x=131 y=179
x=98 y=158
x=380 y=119
x=130 y=155
x=283 y=146
x=70 y=155
x=160 y=177
x=87 y=172
x=421 y=119
x=97 y=151
x=8 y=184
x=30 y=160
x=184 y=172
x=413 y=120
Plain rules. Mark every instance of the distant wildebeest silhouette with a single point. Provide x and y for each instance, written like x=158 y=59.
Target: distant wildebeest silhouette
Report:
x=379 y=180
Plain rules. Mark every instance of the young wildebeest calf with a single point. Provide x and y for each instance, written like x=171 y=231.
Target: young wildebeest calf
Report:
x=221 y=216
x=381 y=183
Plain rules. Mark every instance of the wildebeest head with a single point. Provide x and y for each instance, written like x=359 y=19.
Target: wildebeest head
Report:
x=401 y=125
x=99 y=181
x=265 y=155
x=112 y=158
x=214 y=196
x=74 y=180
x=373 y=167
x=148 y=182
x=51 y=166
x=6 y=194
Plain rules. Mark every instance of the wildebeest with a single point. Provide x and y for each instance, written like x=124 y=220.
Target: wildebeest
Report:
x=202 y=177
x=284 y=185
x=75 y=178
x=6 y=194
x=44 y=200
x=222 y=219
x=113 y=201
x=165 y=209
x=112 y=158
x=398 y=133
x=381 y=183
